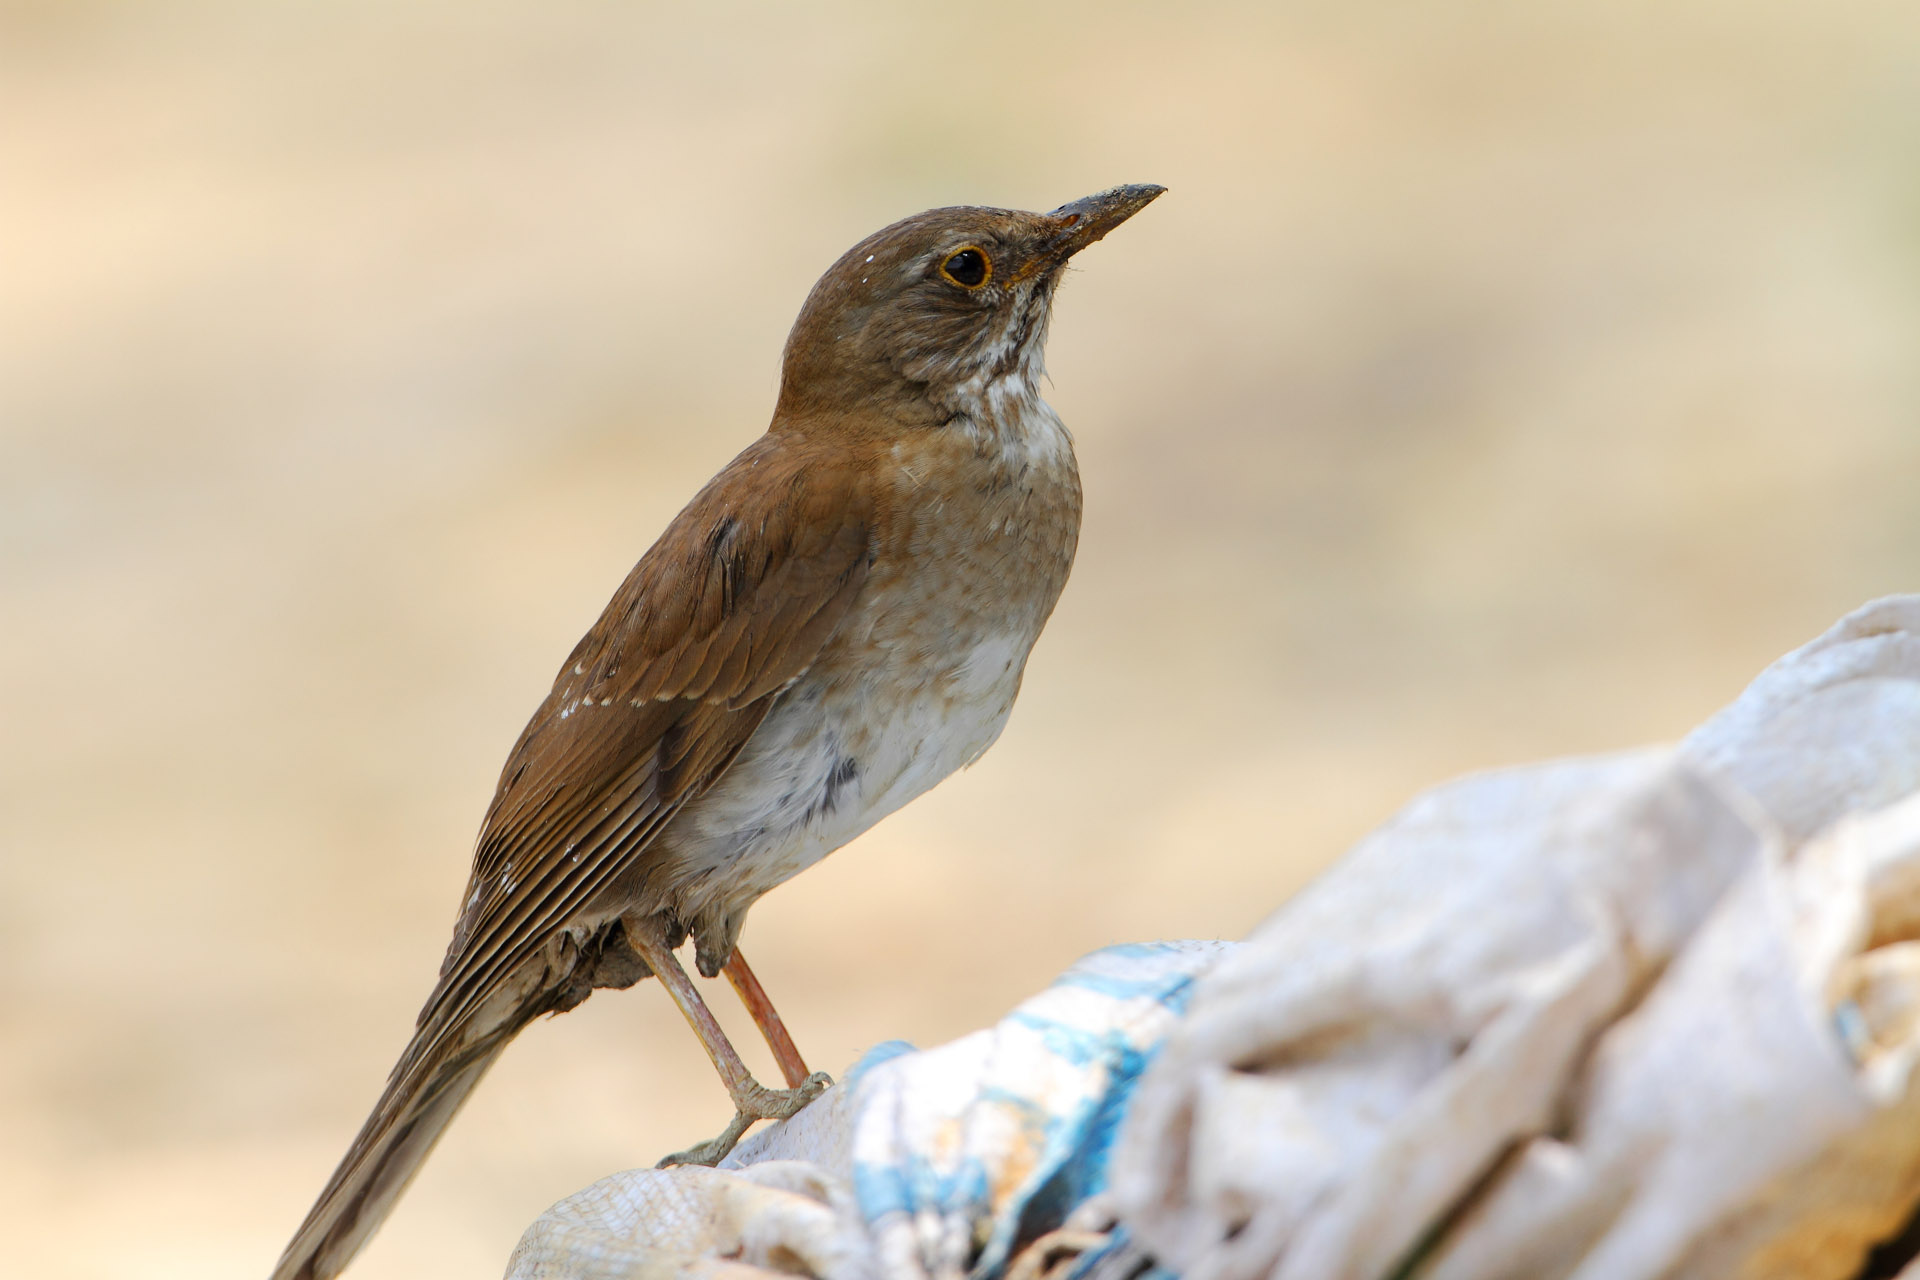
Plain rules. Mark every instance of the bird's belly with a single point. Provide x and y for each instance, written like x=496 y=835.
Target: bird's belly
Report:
x=833 y=757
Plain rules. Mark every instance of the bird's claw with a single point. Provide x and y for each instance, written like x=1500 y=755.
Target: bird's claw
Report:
x=753 y=1102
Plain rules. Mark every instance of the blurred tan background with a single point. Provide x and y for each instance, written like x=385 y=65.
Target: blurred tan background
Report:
x=1498 y=380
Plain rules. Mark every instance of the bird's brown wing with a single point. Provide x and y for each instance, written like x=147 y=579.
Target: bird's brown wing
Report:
x=728 y=608
x=717 y=618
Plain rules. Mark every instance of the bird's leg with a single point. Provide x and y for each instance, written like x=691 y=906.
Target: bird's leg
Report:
x=767 y=1018
x=751 y=1099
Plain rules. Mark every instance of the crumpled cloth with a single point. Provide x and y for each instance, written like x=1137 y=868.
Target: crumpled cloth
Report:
x=935 y=1163
x=1646 y=1015
x=1652 y=1015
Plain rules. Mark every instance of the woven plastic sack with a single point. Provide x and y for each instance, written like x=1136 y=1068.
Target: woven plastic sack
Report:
x=1599 y=1019
x=933 y=1163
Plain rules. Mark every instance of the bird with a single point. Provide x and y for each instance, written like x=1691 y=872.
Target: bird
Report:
x=837 y=621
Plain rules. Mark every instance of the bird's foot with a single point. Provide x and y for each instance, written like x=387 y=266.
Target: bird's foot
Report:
x=754 y=1101
x=713 y=1150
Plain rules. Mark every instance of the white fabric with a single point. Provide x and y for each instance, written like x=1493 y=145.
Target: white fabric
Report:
x=1733 y=1125
x=1600 y=1019
x=650 y=1224
x=1829 y=729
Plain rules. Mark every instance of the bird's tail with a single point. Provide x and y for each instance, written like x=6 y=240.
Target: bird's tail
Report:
x=428 y=1084
x=448 y=1054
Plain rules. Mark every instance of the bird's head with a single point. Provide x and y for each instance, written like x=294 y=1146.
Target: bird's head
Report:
x=928 y=314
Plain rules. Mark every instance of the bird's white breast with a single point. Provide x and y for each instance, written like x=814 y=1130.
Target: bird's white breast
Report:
x=833 y=758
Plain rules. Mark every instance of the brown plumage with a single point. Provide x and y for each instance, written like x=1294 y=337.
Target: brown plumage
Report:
x=837 y=621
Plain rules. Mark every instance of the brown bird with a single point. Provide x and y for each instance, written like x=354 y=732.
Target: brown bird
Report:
x=836 y=622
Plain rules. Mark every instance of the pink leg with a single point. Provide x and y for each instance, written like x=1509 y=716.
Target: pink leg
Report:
x=767 y=1018
x=751 y=1099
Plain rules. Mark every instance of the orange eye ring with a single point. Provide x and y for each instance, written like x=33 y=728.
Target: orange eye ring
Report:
x=969 y=267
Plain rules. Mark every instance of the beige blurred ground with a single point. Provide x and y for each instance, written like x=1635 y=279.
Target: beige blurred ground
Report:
x=1497 y=380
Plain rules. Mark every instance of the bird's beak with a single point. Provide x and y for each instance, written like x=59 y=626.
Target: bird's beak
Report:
x=1079 y=224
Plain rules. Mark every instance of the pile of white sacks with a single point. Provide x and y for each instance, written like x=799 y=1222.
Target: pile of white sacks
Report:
x=1646 y=1015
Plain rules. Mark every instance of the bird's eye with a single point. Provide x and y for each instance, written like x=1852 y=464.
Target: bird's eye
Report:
x=968 y=268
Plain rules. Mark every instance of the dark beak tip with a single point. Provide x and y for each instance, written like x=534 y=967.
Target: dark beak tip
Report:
x=1135 y=196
